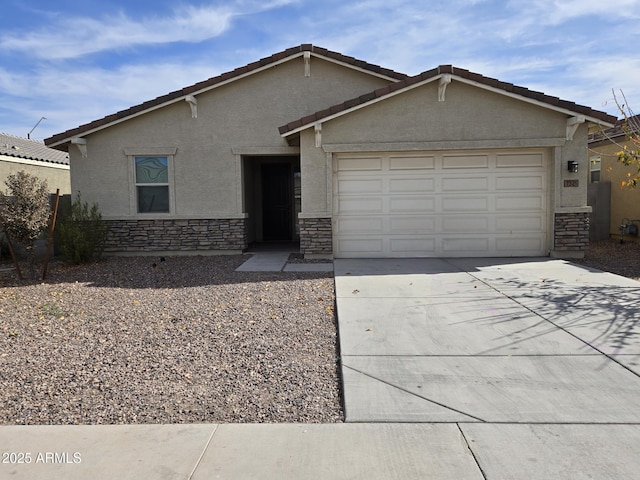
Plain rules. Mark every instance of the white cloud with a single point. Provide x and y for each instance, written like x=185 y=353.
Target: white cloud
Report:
x=71 y=37
x=70 y=100
x=556 y=12
x=515 y=43
x=611 y=73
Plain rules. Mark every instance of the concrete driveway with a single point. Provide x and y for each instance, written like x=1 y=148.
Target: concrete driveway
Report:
x=532 y=360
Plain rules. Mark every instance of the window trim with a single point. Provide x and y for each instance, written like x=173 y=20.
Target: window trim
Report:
x=131 y=154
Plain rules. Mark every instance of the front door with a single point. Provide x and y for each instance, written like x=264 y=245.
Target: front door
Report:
x=277 y=202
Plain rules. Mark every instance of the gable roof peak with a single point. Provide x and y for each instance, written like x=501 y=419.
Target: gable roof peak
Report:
x=548 y=101
x=253 y=67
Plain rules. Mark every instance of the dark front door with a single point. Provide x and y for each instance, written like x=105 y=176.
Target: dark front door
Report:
x=277 y=201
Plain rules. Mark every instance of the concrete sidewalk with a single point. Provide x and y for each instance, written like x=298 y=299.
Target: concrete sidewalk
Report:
x=465 y=451
x=279 y=451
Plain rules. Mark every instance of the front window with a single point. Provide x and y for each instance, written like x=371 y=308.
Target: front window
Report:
x=152 y=184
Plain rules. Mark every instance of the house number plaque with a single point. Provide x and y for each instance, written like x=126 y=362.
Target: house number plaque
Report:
x=571 y=183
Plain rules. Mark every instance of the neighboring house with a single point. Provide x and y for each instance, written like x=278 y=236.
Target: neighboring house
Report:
x=36 y=159
x=348 y=158
x=605 y=168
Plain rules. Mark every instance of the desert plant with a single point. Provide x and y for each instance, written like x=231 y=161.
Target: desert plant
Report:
x=629 y=155
x=25 y=211
x=82 y=233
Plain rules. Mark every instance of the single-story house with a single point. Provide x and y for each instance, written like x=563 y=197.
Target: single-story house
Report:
x=348 y=158
x=605 y=168
x=35 y=158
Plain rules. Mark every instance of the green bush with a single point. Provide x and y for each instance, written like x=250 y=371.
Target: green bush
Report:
x=24 y=212
x=82 y=233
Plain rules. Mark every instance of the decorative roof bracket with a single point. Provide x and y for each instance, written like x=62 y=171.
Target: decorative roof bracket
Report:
x=81 y=143
x=193 y=103
x=572 y=125
x=442 y=86
x=318 y=129
x=307 y=63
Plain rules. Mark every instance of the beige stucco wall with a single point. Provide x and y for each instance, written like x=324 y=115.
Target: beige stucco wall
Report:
x=316 y=177
x=57 y=176
x=469 y=118
x=242 y=116
x=625 y=201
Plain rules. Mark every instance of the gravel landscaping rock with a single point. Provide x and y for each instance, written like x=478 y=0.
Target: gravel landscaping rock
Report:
x=299 y=258
x=184 y=340
x=615 y=257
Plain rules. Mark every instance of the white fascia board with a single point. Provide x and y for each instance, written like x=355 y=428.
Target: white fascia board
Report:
x=354 y=67
x=499 y=91
x=36 y=163
x=358 y=107
x=532 y=101
x=182 y=98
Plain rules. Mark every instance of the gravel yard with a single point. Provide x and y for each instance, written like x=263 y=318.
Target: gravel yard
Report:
x=615 y=257
x=188 y=340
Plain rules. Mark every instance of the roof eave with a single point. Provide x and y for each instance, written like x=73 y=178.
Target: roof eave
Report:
x=34 y=161
x=63 y=141
x=346 y=111
x=533 y=101
x=124 y=118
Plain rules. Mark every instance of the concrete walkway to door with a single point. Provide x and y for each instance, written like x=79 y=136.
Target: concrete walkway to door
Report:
x=533 y=360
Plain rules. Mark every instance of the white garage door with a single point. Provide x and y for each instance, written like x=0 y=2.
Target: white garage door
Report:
x=440 y=204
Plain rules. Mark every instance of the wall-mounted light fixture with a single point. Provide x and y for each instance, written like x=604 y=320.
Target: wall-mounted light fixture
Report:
x=572 y=166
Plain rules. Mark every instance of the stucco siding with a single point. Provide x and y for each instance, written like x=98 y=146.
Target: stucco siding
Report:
x=57 y=177
x=245 y=113
x=573 y=196
x=467 y=114
x=316 y=176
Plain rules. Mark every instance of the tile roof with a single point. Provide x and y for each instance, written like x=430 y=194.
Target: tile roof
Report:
x=434 y=73
x=223 y=78
x=18 y=147
x=617 y=130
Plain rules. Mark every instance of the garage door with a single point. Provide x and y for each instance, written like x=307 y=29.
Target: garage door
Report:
x=440 y=204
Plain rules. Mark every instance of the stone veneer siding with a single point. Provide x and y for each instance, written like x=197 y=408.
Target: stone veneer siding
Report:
x=176 y=235
x=571 y=232
x=316 y=236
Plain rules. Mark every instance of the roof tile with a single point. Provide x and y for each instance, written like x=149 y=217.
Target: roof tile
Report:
x=616 y=131
x=351 y=103
x=18 y=147
x=308 y=119
x=383 y=91
x=466 y=74
x=305 y=47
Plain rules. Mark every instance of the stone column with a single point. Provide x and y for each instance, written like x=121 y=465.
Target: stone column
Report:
x=316 y=239
x=570 y=234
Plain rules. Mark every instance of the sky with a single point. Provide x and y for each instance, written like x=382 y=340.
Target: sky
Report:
x=74 y=61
